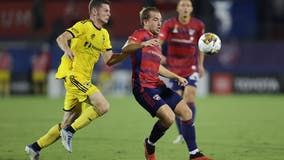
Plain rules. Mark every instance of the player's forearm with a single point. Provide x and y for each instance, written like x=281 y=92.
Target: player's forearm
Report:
x=166 y=73
x=130 y=48
x=201 y=58
x=62 y=41
x=115 y=58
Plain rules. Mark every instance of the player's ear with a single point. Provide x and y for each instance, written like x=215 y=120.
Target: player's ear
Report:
x=145 y=21
x=93 y=11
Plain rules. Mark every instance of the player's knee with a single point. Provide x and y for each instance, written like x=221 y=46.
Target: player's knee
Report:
x=184 y=113
x=168 y=120
x=105 y=107
x=102 y=107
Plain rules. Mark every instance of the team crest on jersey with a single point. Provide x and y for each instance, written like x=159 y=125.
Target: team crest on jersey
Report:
x=191 y=32
x=104 y=38
x=175 y=30
x=156 y=97
x=93 y=36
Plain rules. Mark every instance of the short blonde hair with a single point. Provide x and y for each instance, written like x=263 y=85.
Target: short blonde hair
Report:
x=145 y=13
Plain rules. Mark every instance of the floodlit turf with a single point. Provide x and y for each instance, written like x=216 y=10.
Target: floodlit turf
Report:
x=239 y=127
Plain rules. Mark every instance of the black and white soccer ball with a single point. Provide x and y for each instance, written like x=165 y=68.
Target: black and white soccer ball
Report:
x=209 y=43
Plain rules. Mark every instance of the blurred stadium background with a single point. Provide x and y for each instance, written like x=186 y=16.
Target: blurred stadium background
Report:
x=251 y=60
x=241 y=96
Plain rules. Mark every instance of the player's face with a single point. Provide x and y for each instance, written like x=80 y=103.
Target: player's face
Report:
x=103 y=13
x=154 y=22
x=184 y=8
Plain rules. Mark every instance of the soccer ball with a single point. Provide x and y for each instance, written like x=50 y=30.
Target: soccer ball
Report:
x=209 y=43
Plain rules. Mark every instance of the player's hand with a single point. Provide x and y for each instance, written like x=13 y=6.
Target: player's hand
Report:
x=201 y=71
x=151 y=42
x=181 y=81
x=69 y=54
x=163 y=60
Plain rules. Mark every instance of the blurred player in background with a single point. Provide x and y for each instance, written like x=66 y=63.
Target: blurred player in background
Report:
x=150 y=92
x=89 y=40
x=41 y=63
x=5 y=72
x=181 y=35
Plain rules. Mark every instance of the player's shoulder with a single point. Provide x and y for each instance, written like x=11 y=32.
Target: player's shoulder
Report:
x=85 y=21
x=139 y=32
x=104 y=30
x=197 y=21
x=170 y=21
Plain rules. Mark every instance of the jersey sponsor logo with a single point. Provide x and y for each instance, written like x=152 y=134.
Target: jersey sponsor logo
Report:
x=103 y=38
x=156 y=97
x=93 y=36
x=155 y=53
x=89 y=45
x=183 y=40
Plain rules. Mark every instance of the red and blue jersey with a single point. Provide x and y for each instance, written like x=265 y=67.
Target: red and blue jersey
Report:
x=145 y=62
x=182 y=39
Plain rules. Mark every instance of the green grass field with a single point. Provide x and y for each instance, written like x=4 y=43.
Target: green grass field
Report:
x=239 y=127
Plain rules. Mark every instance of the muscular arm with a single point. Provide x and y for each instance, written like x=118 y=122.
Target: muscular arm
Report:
x=111 y=58
x=62 y=41
x=131 y=46
x=166 y=73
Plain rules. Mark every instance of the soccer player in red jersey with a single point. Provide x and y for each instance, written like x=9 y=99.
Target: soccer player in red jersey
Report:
x=181 y=34
x=150 y=92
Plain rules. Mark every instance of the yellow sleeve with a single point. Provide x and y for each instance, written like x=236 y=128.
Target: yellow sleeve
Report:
x=107 y=44
x=77 y=29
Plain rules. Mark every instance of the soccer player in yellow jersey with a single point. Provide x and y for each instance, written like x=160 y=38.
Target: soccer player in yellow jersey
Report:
x=89 y=40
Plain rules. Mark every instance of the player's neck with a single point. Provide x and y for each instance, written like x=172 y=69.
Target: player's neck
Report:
x=184 y=19
x=96 y=23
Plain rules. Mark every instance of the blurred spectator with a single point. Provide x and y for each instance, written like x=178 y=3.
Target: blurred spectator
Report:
x=70 y=15
x=41 y=62
x=205 y=11
x=38 y=12
x=5 y=72
x=272 y=17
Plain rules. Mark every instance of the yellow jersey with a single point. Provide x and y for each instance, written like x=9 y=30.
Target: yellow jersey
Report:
x=87 y=44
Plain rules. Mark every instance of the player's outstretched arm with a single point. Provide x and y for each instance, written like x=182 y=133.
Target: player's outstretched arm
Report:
x=112 y=58
x=131 y=46
x=168 y=74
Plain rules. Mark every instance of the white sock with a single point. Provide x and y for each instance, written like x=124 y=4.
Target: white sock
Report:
x=194 y=151
x=148 y=141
